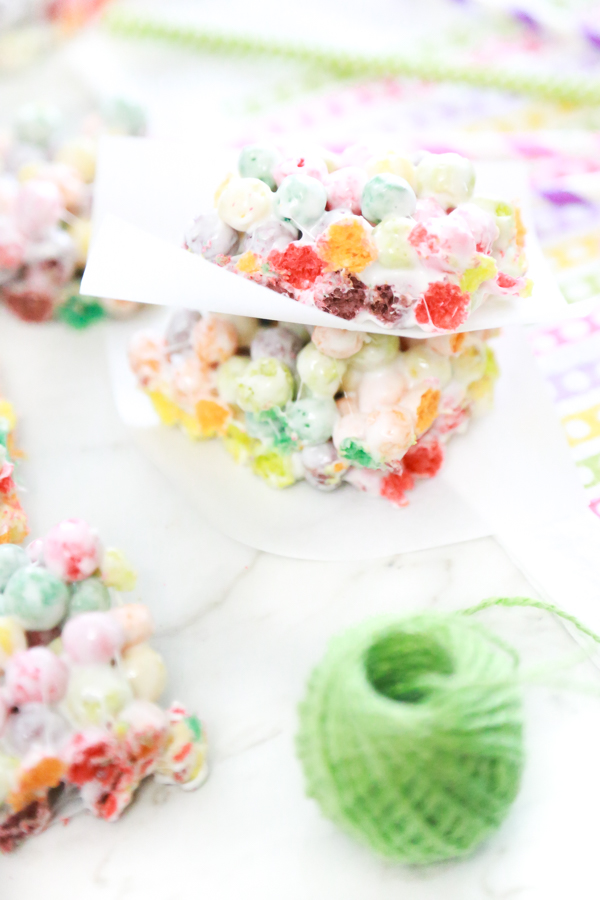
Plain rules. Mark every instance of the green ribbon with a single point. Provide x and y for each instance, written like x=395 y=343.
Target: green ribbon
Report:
x=560 y=88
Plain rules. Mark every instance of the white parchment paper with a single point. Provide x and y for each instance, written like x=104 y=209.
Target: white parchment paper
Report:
x=146 y=192
x=512 y=465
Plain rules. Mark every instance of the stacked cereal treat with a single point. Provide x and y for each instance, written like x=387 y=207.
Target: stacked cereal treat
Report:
x=369 y=237
x=46 y=180
x=79 y=687
x=334 y=407
x=13 y=521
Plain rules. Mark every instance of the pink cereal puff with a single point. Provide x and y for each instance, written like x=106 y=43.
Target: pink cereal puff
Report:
x=390 y=433
x=35 y=551
x=214 y=340
x=38 y=208
x=136 y=622
x=367 y=480
x=147 y=356
x=352 y=426
x=36 y=675
x=345 y=187
x=356 y=155
x=301 y=165
x=72 y=550
x=428 y=208
x=190 y=381
x=482 y=225
x=12 y=247
x=445 y=244
x=68 y=181
x=92 y=637
x=382 y=389
x=336 y=342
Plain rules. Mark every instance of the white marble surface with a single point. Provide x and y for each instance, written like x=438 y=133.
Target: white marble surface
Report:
x=240 y=631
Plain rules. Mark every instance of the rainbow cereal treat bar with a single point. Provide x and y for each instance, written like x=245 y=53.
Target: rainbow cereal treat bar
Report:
x=13 y=521
x=79 y=685
x=337 y=406
x=46 y=186
x=367 y=237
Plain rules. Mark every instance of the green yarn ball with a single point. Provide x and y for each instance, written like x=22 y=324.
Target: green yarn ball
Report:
x=411 y=735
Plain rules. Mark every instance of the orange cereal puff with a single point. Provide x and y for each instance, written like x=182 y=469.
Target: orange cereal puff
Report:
x=347 y=245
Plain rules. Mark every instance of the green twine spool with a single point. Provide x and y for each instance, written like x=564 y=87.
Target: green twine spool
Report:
x=411 y=735
x=411 y=732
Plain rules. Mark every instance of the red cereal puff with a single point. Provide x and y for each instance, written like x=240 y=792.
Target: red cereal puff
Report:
x=450 y=421
x=424 y=459
x=92 y=757
x=395 y=485
x=505 y=281
x=443 y=305
x=299 y=265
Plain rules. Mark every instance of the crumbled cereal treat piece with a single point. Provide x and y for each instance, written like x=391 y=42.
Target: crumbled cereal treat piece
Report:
x=80 y=687
x=47 y=173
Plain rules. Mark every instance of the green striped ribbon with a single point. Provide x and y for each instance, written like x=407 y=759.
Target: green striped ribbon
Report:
x=573 y=89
